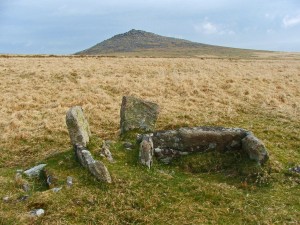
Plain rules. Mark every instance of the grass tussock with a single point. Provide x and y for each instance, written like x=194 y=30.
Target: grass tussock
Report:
x=261 y=95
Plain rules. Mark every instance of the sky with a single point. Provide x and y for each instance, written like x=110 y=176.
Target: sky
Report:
x=69 y=26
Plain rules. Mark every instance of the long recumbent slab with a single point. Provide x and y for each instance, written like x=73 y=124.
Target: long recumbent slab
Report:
x=200 y=139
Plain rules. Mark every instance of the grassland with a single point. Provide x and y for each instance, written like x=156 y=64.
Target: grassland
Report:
x=261 y=94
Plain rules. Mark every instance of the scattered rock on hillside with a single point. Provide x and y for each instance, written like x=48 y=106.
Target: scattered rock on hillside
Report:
x=106 y=152
x=37 y=212
x=50 y=177
x=35 y=171
x=146 y=150
x=5 y=199
x=69 y=181
x=295 y=169
x=78 y=126
x=255 y=148
x=137 y=115
x=97 y=168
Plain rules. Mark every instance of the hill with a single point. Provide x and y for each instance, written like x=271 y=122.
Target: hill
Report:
x=142 y=43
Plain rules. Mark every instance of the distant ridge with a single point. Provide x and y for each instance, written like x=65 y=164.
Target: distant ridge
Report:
x=142 y=43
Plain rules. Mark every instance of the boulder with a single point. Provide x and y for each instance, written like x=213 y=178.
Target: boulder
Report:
x=78 y=126
x=137 y=114
x=255 y=149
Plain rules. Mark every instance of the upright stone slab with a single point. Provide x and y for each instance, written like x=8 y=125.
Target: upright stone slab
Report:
x=78 y=126
x=137 y=114
x=146 y=150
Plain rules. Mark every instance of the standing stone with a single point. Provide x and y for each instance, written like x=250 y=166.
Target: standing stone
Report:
x=146 y=150
x=255 y=148
x=137 y=114
x=78 y=126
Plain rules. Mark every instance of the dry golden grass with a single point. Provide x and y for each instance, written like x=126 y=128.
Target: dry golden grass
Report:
x=36 y=93
x=262 y=95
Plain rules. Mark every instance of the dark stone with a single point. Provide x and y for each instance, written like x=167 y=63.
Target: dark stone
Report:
x=255 y=149
x=137 y=115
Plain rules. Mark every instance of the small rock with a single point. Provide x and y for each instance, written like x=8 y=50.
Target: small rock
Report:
x=26 y=187
x=37 y=212
x=23 y=198
x=295 y=169
x=35 y=171
x=56 y=189
x=5 y=199
x=51 y=179
x=146 y=151
x=106 y=152
x=128 y=145
x=69 y=181
x=78 y=126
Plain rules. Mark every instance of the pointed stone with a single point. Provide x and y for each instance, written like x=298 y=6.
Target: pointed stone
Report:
x=78 y=126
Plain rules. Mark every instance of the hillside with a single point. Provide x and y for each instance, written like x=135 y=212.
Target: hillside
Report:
x=142 y=43
x=257 y=95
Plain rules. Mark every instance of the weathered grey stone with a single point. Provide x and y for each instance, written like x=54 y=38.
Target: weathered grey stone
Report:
x=78 y=127
x=56 y=189
x=35 y=171
x=172 y=143
x=50 y=177
x=137 y=114
x=166 y=155
x=99 y=170
x=255 y=148
x=146 y=150
x=37 y=212
x=96 y=168
x=78 y=154
x=200 y=139
x=295 y=169
x=106 y=152
x=69 y=181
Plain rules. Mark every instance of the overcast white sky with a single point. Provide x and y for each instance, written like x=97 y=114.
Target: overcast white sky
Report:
x=68 y=26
